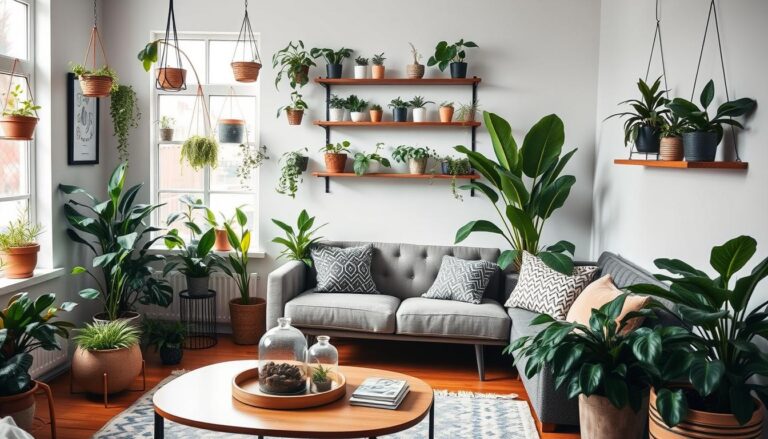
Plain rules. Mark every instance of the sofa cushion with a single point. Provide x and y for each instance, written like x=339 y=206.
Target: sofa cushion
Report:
x=521 y=323
x=461 y=280
x=448 y=318
x=344 y=270
x=600 y=292
x=344 y=311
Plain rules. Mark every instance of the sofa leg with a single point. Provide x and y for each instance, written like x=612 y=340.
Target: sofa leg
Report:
x=480 y=361
x=545 y=427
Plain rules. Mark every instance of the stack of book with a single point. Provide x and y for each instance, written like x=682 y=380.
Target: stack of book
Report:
x=380 y=393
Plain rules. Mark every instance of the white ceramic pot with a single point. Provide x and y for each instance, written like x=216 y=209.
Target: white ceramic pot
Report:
x=374 y=167
x=419 y=114
x=357 y=116
x=361 y=72
x=336 y=114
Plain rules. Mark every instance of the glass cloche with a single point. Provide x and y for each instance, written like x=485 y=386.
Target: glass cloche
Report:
x=282 y=355
x=323 y=364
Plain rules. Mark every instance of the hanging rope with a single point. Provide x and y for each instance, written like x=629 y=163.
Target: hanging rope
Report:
x=171 y=39
x=657 y=37
x=10 y=85
x=248 y=39
x=200 y=109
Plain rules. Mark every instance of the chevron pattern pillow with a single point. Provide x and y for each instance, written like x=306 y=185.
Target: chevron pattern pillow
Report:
x=544 y=290
x=461 y=280
x=344 y=270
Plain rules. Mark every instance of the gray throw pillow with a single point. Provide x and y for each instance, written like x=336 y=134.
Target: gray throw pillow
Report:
x=344 y=270
x=461 y=280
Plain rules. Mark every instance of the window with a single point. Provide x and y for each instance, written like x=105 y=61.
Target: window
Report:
x=219 y=188
x=16 y=156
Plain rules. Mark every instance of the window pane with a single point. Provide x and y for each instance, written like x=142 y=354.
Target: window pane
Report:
x=174 y=174
x=238 y=107
x=13 y=29
x=226 y=203
x=173 y=205
x=224 y=177
x=13 y=168
x=10 y=210
x=221 y=58
x=195 y=50
x=179 y=107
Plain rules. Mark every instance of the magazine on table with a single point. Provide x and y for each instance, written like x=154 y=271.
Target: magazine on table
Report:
x=381 y=389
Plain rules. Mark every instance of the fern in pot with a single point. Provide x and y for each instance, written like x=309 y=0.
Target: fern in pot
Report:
x=167 y=126
x=399 y=109
x=200 y=151
x=377 y=70
x=292 y=165
x=376 y=113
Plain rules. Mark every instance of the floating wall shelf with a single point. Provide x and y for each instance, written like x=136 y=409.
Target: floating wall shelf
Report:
x=683 y=165
x=329 y=175
x=399 y=81
x=390 y=124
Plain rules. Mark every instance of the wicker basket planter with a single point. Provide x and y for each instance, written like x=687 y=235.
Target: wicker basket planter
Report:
x=96 y=86
x=246 y=71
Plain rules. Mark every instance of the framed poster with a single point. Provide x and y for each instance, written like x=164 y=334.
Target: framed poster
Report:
x=82 y=125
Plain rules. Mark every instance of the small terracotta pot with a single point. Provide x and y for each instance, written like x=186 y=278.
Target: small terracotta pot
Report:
x=20 y=407
x=249 y=322
x=172 y=78
x=415 y=71
x=377 y=72
x=294 y=116
x=166 y=134
x=122 y=366
x=96 y=86
x=302 y=74
x=417 y=166
x=376 y=115
x=335 y=163
x=245 y=71
x=671 y=148
x=222 y=241
x=446 y=114
x=20 y=261
x=18 y=127
x=599 y=419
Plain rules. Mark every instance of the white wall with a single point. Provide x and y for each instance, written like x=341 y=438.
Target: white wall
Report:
x=535 y=58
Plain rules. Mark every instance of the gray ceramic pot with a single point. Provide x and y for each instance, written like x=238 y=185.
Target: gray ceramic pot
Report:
x=197 y=286
x=231 y=130
x=700 y=146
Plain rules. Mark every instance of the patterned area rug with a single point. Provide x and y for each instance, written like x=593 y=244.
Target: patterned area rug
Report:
x=457 y=415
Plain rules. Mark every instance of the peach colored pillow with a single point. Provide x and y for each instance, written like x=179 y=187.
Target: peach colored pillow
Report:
x=597 y=294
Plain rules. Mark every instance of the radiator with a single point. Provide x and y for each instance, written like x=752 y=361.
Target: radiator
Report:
x=45 y=361
x=225 y=287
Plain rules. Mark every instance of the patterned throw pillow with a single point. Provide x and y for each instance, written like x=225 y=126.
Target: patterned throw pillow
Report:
x=344 y=270
x=461 y=280
x=544 y=290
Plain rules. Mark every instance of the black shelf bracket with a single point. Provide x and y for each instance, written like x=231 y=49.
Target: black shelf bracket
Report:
x=327 y=185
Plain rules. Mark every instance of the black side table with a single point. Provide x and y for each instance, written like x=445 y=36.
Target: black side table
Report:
x=198 y=315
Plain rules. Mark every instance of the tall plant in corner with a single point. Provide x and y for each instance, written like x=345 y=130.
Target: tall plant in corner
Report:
x=525 y=188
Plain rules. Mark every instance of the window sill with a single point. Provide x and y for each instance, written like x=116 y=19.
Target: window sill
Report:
x=160 y=250
x=41 y=275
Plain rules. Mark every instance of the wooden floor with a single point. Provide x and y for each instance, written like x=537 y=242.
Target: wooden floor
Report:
x=450 y=367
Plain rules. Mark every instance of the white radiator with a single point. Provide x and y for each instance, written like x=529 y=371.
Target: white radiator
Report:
x=225 y=287
x=45 y=361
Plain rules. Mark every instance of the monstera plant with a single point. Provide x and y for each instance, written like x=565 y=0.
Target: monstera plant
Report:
x=525 y=188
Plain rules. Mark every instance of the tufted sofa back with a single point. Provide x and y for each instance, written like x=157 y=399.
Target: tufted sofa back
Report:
x=408 y=270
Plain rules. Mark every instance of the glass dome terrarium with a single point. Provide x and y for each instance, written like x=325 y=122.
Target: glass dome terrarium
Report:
x=282 y=355
x=323 y=364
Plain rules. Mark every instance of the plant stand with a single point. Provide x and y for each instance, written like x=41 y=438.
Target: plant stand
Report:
x=198 y=315
x=106 y=387
x=42 y=387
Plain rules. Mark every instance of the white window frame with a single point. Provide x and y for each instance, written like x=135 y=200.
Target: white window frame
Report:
x=217 y=90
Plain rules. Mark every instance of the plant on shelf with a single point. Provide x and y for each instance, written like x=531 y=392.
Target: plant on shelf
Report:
x=524 y=210
x=399 y=109
x=361 y=67
x=415 y=70
x=725 y=356
x=116 y=231
x=292 y=165
x=446 y=111
x=294 y=63
x=643 y=122
x=104 y=73
x=703 y=134
x=199 y=152
x=671 y=143
x=295 y=110
x=125 y=112
x=377 y=71
x=19 y=117
x=167 y=337
x=453 y=55
x=167 y=125
x=356 y=107
x=455 y=166
x=416 y=157
x=19 y=247
x=249 y=160
x=376 y=113
x=419 y=104
x=321 y=378
x=298 y=243
x=337 y=108
x=333 y=59
x=467 y=112
x=363 y=161
x=27 y=325
x=335 y=156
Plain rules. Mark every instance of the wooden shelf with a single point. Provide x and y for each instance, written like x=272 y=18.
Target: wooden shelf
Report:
x=682 y=164
x=399 y=81
x=390 y=124
x=386 y=175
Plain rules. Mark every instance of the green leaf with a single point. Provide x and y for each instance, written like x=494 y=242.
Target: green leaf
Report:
x=745 y=286
x=741 y=403
x=523 y=223
x=672 y=406
x=553 y=196
x=482 y=187
x=617 y=391
x=126 y=242
x=562 y=247
x=89 y=293
x=647 y=347
x=731 y=257
x=104 y=260
x=542 y=145
x=707 y=94
x=613 y=308
x=507 y=257
x=590 y=377
x=502 y=140
x=476 y=226
x=242 y=218
x=245 y=243
x=699 y=316
x=78 y=270
x=205 y=245
x=705 y=375
x=557 y=261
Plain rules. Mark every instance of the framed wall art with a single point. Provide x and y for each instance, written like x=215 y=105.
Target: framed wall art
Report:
x=82 y=125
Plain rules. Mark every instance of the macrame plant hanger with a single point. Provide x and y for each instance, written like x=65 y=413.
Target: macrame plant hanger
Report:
x=246 y=68
x=713 y=13
x=170 y=78
x=200 y=110
x=8 y=98
x=230 y=99
x=95 y=86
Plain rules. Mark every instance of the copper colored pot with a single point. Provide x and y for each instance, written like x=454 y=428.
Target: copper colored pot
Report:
x=376 y=115
x=172 y=78
x=96 y=86
x=377 y=72
x=20 y=407
x=246 y=71
x=222 y=242
x=446 y=114
x=20 y=261
x=294 y=116
x=249 y=322
x=335 y=163
x=18 y=127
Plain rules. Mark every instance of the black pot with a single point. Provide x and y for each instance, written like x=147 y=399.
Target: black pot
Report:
x=700 y=146
x=170 y=355
x=458 y=70
x=400 y=114
x=333 y=71
x=303 y=163
x=648 y=139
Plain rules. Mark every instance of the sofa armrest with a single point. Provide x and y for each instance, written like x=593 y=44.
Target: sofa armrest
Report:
x=283 y=284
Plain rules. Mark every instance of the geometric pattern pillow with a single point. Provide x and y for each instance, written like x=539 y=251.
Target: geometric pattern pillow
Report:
x=544 y=290
x=461 y=280
x=344 y=270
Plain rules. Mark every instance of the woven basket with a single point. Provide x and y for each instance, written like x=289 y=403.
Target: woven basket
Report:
x=246 y=71
x=172 y=78
x=415 y=71
x=95 y=86
x=294 y=116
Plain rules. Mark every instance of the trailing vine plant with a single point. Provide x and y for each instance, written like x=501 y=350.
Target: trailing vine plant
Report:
x=125 y=113
x=250 y=159
x=290 y=172
x=200 y=151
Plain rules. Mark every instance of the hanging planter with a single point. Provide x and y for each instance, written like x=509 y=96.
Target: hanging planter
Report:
x=247 y=68
x=96 y=82
x=19 y=117
x=200 y=151
x=231 y=129
x=170 y=76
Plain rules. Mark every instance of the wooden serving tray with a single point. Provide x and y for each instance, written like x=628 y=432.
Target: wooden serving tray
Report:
x=245 y=388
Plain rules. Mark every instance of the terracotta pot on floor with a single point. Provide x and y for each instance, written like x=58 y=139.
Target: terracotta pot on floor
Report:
x=122 y=366
x=249 y=322
x=20 y=407
x=335 y=163
x=20 y=262
x=599 y=419
x=671 y=148
x=222 y=242
x=18 y=127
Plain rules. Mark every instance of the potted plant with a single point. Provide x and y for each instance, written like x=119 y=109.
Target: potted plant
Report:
x=467 y=112
x=337 y=109
x=295 y=110
x=671 y=144
x=335 y=156
x=416 y=157
x=702 y=134
x=723 y=356
x=643 y=122
x=361 y=67
x=200 y=151
x=19 y=247
x=97 y=83
x=167 y=125
x=455 y=166
x=107 y=358
x=321 y=378
x=376 y=113
x=399 y=109
x=364 y=162
x=125 y=112
x=356 y=108
x=446 y=112
x=377 y=71
x=333 y=59
x=453 y=54
x=221 y=244
x=167 y=337
x=415 y=70
x=297 y=243
x=292 y=165
x=231 y=130
x=167 y=78
x=27 y=325
x=19 y=115
x=248 y=160
x=419 y=108
x=294 y=63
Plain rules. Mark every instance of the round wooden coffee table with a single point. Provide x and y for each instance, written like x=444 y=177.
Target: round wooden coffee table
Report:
x=203 y=398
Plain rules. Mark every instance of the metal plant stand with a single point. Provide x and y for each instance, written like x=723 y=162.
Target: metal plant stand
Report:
x=198 y=315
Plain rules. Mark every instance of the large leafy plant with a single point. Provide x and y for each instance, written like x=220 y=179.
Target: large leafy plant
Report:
x=525 y=188
x=196 y=258
x=648 y=111
x=723 y=356
x=298 y=242
x=237 y=267
x=293 y=61
x=447 y=53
